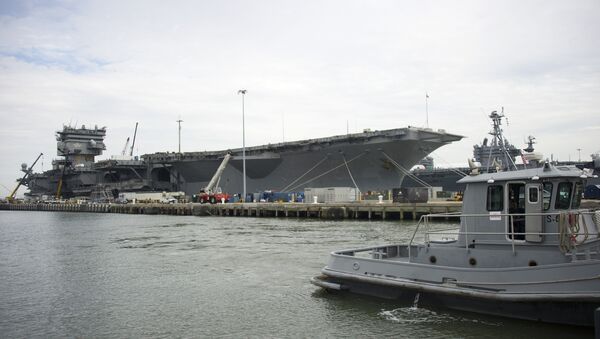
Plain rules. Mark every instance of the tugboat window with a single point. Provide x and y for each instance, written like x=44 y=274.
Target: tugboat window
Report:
x=563 y=196
x=547 y=195
x=577 y=195
x=533 y=194
x=495 y=201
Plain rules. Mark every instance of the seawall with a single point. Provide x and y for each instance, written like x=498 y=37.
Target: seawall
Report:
x=334 y=211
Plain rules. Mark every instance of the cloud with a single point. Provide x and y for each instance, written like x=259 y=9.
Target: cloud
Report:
x=323 y=66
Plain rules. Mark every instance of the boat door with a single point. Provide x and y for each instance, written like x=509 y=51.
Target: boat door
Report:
x=516 y=210
x=533 y=210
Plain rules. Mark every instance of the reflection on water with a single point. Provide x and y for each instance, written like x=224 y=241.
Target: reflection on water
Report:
x=109 y=275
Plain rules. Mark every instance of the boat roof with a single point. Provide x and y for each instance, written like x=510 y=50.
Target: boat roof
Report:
x=546 y=171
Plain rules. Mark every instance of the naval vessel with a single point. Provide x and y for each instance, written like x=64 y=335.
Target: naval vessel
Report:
x=371 y=160
x=524 y=248
x=495 y=153
x=76 y=173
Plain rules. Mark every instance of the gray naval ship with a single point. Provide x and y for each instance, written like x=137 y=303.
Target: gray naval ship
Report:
x=369 y=161
x=372 y=160
x=523 y=249
x=77 y=174
x=493 y=153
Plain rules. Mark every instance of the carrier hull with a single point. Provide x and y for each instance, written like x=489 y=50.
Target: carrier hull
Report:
x=371 y=161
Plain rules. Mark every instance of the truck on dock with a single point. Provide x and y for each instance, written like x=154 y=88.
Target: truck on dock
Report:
x=211 y=193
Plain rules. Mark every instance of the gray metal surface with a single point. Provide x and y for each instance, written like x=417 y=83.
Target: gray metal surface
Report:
x=552 y=260
x=326 y=162
x=351 y=160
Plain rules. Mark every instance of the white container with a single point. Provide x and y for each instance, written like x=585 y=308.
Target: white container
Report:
x=332 y=194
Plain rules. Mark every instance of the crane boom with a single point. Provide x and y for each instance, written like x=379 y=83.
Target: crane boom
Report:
x=125 y=148
x=12 y=194
x=133 y=143
x=213 y=182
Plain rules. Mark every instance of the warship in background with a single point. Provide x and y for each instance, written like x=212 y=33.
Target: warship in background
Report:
x=77 y=174
x=372 y=160
x=368 y=161
x=495 y=154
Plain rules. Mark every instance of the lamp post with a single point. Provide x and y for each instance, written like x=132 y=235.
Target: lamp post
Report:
x=179 y=122
x=426 y=110
x=243 y=93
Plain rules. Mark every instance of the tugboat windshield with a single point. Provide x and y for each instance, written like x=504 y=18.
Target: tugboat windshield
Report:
x=563 y=196
x=547 y=195
x=577 y=195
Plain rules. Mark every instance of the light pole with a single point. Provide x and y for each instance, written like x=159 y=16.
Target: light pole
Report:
x=243 y=93
x=179 y=123
x=426 y=110
x=579 y=150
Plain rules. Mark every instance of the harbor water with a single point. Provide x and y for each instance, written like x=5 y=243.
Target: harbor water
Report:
x=115 y=275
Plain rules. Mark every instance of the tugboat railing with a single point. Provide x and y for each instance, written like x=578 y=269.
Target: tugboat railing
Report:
x=424 y=221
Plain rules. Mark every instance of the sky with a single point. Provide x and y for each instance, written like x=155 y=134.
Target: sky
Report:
x=311 y=69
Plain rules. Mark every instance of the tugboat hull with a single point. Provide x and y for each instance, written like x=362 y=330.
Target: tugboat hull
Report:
x=574 y=309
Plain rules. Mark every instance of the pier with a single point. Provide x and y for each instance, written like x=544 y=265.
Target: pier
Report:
x=332 y=211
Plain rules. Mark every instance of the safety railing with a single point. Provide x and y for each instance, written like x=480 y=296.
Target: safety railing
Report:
x=574 y=228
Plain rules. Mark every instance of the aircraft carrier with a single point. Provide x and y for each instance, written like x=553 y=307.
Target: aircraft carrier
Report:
x=370 y=161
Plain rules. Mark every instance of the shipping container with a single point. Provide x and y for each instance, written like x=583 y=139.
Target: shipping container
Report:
x=331 y=194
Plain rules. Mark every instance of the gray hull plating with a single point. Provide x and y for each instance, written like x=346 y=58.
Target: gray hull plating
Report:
x=509 y=256
x=580 y=313
x=365 y=160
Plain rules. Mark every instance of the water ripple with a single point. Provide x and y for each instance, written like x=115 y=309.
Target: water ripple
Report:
x=419 y=315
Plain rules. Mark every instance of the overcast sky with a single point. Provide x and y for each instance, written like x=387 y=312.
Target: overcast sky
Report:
x=311 y=69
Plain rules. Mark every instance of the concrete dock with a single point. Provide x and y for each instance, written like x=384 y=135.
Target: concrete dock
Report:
x=334 y=211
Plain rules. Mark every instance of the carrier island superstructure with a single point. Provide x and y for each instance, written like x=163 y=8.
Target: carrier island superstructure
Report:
x=371 y=160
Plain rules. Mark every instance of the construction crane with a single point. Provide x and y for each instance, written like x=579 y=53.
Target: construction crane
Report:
x=11 y=197
x=210 y=193
x=60 y=181
x=125 y=148
x=133 y=143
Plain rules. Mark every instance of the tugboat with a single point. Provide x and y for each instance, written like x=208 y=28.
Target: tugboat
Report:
x=524 y=249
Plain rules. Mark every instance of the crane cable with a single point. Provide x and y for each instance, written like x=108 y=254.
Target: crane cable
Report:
x=329 y=171
x=350 y=173
x=405 y=171
x=305 y=173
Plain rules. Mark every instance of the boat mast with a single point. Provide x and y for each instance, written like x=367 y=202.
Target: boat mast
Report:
x=498 y=141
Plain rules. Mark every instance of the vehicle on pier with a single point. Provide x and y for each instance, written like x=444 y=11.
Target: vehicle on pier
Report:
x=212 y=193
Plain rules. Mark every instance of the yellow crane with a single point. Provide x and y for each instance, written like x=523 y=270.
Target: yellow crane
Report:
x=11 y=197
